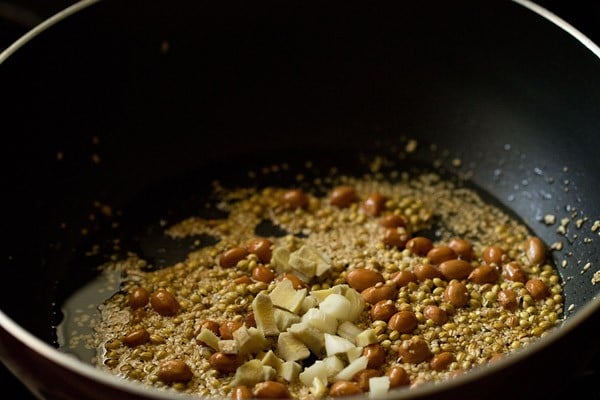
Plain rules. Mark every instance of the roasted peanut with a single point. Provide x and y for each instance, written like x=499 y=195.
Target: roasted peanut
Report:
x=294 y=199
x=426 y=271
x=513 y=272
x=138 y=315
x=260 y=247
x=212 y=325
x=377 y=293
x=297 y=283
x=439 y=254
x=493 y=255
x=463 y=248
x=362 y=378
x=224 y=363
x=414 y=350
x=344 y=388
x=136 y=338
x=508 y=299
x=398 y=376
x=164 y=303
x=383 y=310
x=271 y=390
x=241 y=392
x=231 y=257
x=139 y=297
x=376 y=355
x=244 y=279
x=174 y=371
x=456 y=293
x=362 y=278
x=208 y=324
x=403 y=278
x=537 y=289
x=261 y=273
x=436 y=314
x=403 y=322
x=535 y=250
x=392 y=221
x=441 y=361
x=343 y=196
x=227 y=328
x=374 y=204
x=393 y=238
x=419 y=245
x=455 y=269
x=249 y=320
x=484 y=274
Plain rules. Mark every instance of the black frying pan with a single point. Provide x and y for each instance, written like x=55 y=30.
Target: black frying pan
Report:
x=131 y=106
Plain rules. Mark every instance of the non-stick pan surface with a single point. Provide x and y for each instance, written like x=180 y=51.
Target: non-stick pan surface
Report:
x=137 y=107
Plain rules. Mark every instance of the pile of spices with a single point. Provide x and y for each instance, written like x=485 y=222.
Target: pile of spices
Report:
x=367 y=285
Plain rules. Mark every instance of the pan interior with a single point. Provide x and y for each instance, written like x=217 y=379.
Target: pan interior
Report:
x=519 y=137
x=137 y=226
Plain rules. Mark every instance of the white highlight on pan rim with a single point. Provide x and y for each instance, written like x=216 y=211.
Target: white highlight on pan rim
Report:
x=561 y=23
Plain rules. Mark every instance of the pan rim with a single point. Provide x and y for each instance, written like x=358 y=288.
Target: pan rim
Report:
x=83 y=4
x=43 y=26
x=67 y=361
x=561 y=23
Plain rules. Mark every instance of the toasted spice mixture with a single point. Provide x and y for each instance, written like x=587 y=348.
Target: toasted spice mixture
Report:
x=375 y=285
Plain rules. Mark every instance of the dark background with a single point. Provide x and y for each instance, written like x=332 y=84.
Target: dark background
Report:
x=18 y=16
